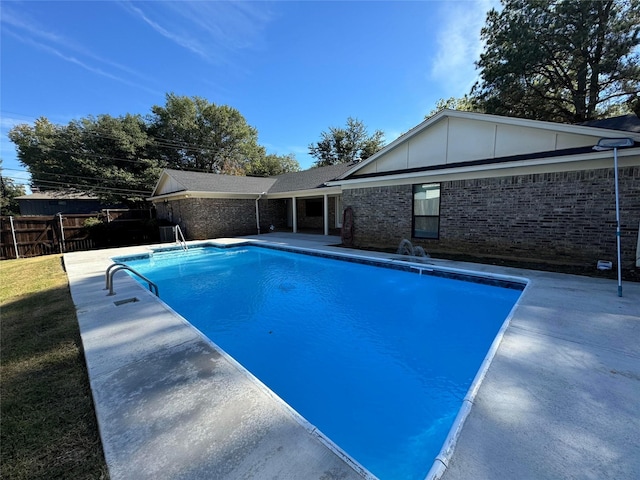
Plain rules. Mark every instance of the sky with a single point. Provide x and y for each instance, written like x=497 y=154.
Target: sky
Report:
x=291 y=68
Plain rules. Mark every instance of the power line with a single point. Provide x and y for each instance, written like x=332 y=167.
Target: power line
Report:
x=79 y=186
x=85 y=187
x=36 y=172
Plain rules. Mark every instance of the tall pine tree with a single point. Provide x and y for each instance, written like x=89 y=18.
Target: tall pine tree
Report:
x=560 y=60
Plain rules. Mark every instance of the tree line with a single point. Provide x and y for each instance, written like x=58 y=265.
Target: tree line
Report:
x=121 y=158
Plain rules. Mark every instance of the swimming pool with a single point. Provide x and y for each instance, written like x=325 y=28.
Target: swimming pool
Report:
x=378 y=359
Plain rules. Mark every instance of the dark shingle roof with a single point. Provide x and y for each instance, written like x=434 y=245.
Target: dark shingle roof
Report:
x=308 y=179
x=288 y=182
x=211 y=182
x=626 y=123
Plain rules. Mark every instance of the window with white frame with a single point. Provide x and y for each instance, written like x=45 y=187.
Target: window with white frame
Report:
x=426 y=210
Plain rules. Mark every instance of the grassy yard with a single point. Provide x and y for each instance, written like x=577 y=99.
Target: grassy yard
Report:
x=48 y=427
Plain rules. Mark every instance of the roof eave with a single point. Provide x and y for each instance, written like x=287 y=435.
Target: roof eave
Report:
x=180 y=195
x=310 y=192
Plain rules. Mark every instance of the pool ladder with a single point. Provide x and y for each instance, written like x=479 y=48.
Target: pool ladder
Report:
x=180 y=238
x=116 y=267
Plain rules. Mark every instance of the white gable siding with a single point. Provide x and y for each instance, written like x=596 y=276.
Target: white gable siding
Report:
x=168 y=184
x=568 y=140
x=456 y=139
x=470 y=140
x=428 y=147
x=397 y=158
x=516 y=140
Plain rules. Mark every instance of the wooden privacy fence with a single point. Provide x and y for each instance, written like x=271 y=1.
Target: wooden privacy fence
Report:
x=43 y=235
x=32 y=236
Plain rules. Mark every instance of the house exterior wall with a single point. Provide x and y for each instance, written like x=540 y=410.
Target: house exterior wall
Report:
x=273 y=212
x=203 y=218
x=381 y=215
x=563 y=216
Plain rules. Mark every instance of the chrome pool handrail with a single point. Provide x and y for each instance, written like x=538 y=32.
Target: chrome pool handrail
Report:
x=116 y=267
x=180 y=238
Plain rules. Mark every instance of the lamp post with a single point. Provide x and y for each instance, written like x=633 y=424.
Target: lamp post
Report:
x=614 y=144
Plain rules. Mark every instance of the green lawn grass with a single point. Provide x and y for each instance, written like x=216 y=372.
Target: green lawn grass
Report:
x=48 y=427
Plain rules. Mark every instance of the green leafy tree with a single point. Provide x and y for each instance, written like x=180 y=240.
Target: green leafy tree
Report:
x=8 y=193
x=345 y=145
x=120 y=158
x=105 y=156
x=192 y=133
x=271 y=165
x=560 y=60
x=466 y=104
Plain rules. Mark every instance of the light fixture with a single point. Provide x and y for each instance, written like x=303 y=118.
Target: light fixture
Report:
x=614 y=144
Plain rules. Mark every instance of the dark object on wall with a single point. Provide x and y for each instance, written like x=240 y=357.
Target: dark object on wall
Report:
x=347 y=227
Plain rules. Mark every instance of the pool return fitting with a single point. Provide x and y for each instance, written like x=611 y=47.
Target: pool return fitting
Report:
x=116 y=267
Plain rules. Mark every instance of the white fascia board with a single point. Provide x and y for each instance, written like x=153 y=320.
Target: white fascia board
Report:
x=194 y=194
x=163 y=175
x=314 y=192
x=525 y=122
x=602 y=159
x=544 y=125
x=155 y=187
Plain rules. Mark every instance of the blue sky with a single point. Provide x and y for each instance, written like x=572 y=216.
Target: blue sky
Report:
x=292 y=68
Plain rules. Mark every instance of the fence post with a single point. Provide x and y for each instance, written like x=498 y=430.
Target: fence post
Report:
x=13 y=234
x=61 y=234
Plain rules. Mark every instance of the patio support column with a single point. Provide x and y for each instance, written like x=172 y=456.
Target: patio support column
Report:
x=294 y=214
x=326 y=214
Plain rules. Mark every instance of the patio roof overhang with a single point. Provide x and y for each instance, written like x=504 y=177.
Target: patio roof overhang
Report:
x=181 y=195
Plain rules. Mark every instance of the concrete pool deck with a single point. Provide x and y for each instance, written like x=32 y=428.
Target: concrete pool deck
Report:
x=560 y=399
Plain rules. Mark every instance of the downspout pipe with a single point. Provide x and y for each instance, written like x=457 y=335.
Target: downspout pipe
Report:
x=258 y=211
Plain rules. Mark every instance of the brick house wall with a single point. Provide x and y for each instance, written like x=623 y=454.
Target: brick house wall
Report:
x=565 y=216
x=381 y=215
x=273 y=212
x=203 y=218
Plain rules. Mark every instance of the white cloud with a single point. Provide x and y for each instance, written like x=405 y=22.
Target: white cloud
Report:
x=211 y=30
x=31 y=32
x=459 y=44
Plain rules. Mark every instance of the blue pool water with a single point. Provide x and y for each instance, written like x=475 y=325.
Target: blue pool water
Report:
x=377 y=359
